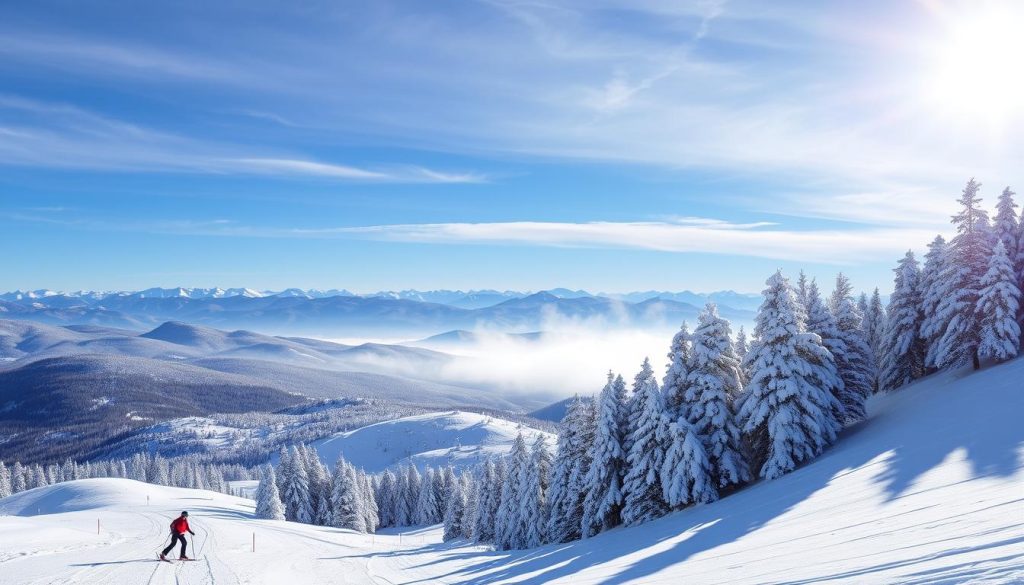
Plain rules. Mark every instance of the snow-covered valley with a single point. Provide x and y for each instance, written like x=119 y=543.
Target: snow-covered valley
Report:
x=927 y=490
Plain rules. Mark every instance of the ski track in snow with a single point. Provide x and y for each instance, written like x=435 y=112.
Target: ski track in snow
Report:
x=929 y=490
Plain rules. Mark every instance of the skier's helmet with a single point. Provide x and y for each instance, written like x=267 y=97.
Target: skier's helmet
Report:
x=184 y=513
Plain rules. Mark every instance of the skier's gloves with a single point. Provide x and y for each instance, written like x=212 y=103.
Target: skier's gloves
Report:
x=192 y=533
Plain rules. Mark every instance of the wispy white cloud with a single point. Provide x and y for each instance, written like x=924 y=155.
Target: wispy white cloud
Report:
x=688 y=235
x=66 y=136
x=825 y=246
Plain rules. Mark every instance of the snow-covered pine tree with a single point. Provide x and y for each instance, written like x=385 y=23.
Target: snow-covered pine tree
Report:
x=319 y=486
x=455 y=510
x=487 y=503
x=998 y=305
x=371 y=513
x=970 y=251
x=902 y=352
x=449 y=483
x=268 y=500
x=642 y=489
x=387 y=499
x=576 y=433
x=713 y=385
x=856 y=365
x=345 y=499
x=1018 y=257
x=5 y=481
x=440 y=485
x=603 y=499
x=17 y=478
x=411 y=486
x=787 y=417
x=283 y=463
x=469 y=487
x=1007 y=226
x=673 y=385
x=821 y=321
x=740 y=347
x=295 y=493
x=622 y=392
x=500 y=477
x=934 y=288
x=426 y=507
x=535 y=506
x=802 y=292
x=874 y=322
x=686 y=474
x=510 y=526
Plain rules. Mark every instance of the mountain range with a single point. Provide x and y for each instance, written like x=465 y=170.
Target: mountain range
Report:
x=337 y=313
x=101 y=383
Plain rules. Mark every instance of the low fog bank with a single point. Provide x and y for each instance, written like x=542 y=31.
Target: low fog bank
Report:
x=566 y=357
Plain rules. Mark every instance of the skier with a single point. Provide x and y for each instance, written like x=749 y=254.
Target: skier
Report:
x=179 y=526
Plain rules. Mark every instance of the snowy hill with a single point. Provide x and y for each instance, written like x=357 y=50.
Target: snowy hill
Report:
x=436 y=439
x=928 y=490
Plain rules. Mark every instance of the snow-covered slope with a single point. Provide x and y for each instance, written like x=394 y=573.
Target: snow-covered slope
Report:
x=438 y=438
x=927 y=491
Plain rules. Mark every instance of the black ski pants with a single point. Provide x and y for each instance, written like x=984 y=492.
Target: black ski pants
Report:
x=175 y=537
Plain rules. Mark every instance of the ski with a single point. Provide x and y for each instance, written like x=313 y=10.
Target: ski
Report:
x=176 y=560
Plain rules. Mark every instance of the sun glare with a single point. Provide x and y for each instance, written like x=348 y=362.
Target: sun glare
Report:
x=979 y=68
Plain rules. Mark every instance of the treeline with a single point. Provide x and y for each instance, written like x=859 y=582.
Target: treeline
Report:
x=186 y=472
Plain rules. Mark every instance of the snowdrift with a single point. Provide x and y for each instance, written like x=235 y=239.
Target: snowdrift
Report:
x=452 y=438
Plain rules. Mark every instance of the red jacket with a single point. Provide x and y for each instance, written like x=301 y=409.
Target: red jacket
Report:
x=180 y=525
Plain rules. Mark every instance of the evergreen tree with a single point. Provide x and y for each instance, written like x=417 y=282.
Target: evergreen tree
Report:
x=18 y=478
x=268 y=500
x=740 y=347
x=440 y=486
x=5 y=481
x=1018 y=258
x=934 y=288
x=319 y=486
x=455 y=510
x=510 y=526
x=535 y=506
x=969 y=261
x=295 y=492
x=470 y=488
x=686 y=474
x=998 y=304
x=371 y=513
x=856 y=365
x=487 y=506
x=1007 y=226
x=902 y=352
x=874 y=322
x=713 y=385
x=387 y=499
x=428 y=504
x=674 y=383
x=345 y=499
x=802 y=292
x=409 y=496
x=642 y=488
x=603 y=499
x=576 y=433
x=788 y=415
x=821 y=321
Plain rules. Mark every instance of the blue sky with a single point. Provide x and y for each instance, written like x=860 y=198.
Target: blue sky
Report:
x=604 y=145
